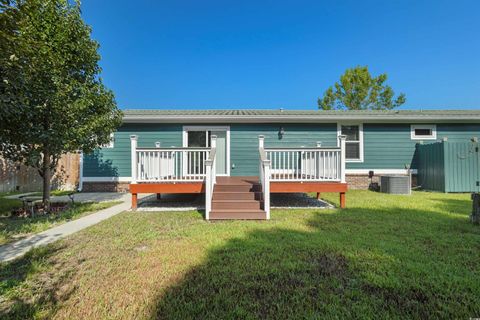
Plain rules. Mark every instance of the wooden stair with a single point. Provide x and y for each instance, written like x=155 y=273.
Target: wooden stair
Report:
x=237 y=198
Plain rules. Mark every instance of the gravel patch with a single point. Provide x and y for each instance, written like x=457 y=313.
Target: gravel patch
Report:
x=188 y=202
x=297 y=201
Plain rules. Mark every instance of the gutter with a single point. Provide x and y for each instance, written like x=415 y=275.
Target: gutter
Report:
x=297 y=119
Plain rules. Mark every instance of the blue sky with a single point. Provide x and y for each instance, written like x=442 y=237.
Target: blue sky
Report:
x=272 y=54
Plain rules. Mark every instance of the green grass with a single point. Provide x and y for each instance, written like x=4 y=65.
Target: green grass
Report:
x=14 y=228
x=386 y=256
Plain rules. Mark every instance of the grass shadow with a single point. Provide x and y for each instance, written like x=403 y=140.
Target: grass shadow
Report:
x=355 y=263
x=24 y=298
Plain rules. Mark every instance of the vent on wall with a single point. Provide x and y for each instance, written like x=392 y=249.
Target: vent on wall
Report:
x=395 y=184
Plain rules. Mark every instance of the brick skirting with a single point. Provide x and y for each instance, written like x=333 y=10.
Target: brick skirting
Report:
x=355 y=181
x=362 y=181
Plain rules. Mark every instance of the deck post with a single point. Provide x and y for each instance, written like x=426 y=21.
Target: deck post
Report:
x=342 y=139
x=261 y=141
x=342 y=200
x=208 y=191
x=134 y=201
x=133 y=144
x=264 y=176
x=210 y=176
x=213 y=145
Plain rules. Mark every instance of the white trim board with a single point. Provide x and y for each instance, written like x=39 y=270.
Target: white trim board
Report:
x=360 y=135
x=431 y=127
x=185 y=129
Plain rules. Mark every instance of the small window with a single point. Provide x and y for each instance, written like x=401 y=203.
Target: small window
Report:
x=353 y=143
x=111 y=143
x=423 y=132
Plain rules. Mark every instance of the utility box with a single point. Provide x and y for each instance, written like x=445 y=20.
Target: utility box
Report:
x=395 y=184
x=449 y=166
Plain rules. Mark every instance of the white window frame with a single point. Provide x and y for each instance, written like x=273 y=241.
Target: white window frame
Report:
x=432 y=127
x=110 y=144
x=360 y=135
x=210 y=128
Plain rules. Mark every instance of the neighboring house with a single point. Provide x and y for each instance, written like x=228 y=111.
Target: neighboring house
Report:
x=379 y=141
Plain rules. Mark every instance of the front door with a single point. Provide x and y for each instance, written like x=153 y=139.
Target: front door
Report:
x=200 y=137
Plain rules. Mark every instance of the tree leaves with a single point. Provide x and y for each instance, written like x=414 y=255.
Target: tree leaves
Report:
x=51 y=95
x=358 y=90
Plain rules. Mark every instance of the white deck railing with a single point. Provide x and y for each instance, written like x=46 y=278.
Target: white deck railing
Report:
x=265 y=175
x=176 y=165
x=168 y=164
x=307 y=164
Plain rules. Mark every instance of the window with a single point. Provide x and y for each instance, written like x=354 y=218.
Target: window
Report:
x=423 y=132
x=111 y=143
x=354 y=141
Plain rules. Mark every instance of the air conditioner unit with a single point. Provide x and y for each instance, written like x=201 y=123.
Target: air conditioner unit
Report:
x=395 y=184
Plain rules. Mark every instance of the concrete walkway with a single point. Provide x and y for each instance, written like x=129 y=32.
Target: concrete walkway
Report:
x=17 y=249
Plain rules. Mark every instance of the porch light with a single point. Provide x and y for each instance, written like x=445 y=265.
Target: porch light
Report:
x=281 y=132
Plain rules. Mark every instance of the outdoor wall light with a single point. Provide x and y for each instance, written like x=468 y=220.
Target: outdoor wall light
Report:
x=281 y=132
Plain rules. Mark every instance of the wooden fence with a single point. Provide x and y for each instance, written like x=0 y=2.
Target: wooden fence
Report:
x=21 y=178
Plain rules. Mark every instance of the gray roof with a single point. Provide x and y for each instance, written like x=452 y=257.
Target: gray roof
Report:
x=301 y=116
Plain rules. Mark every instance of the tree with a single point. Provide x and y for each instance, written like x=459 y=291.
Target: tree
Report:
x=52 y=99
x=358 y=90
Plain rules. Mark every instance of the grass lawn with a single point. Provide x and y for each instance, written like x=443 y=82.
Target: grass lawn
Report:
x=13 y=228
x=386 y=256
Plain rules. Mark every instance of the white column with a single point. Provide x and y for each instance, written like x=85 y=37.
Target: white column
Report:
x=133 y=149
x=266 y=189
x=208 y=191
x=261 y=142
x=342 y=139
x=213 y=145
x=213 y=141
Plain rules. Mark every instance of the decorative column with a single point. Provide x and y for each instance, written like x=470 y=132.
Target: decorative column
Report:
x=261 y=141
x=133 y=149
x=342 y=139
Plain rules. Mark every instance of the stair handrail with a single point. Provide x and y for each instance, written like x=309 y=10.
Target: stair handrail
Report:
x=210 y=177
x=264 y=171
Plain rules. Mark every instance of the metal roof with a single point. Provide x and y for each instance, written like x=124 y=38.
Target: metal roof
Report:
x=302 y=116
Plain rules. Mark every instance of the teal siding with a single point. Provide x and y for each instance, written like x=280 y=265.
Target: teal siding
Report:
x=458 y=132
x=244 y=142
x=115 y=162
x=386 y=146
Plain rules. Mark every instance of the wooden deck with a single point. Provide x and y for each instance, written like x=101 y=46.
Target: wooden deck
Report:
x=238 y=197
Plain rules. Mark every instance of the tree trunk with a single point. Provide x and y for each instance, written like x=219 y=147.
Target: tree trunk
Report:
x=46 y=180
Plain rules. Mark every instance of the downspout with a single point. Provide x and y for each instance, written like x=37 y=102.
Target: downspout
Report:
x=80 y=176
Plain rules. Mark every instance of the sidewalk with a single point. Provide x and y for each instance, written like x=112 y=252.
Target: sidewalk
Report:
x=16 y=249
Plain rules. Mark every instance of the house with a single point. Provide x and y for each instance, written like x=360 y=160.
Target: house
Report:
x=238 y=157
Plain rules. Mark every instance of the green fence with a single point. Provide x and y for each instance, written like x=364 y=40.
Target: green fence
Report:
x=449 y=166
